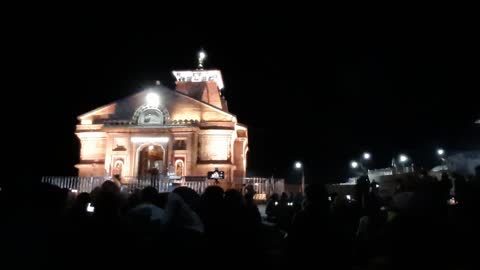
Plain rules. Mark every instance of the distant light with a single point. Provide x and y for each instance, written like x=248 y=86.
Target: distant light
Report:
x=74 y=191
x=366 y=156
x=377 y=185
x=452 y=201
x=348 y=197
x=150 y=147
x=403 y=158
x=276 y=203
x=153 y=99
x=440 y=152
x=298 y=165
x=354 y=164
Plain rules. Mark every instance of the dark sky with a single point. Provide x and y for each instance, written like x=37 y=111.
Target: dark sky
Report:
x=318 y=90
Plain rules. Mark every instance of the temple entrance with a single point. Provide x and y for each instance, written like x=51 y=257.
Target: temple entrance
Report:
x=151 y=160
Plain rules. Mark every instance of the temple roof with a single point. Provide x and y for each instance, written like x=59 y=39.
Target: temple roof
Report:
x=178 y=105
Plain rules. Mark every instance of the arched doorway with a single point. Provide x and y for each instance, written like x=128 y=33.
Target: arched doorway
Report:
x=118 y=167
x=151 y=160
x=179 y=167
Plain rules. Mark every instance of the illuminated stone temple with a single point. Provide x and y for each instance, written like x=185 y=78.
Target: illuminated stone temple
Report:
x=186 y=132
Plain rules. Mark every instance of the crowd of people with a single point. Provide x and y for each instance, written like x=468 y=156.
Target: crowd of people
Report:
x=421 y=225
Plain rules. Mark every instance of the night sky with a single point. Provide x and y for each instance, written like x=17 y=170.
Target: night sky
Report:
x=321 y=91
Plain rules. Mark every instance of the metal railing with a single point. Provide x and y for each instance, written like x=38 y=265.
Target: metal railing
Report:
x=132 y=183
x=80 y=184
x=263 y=185
x=128 y=183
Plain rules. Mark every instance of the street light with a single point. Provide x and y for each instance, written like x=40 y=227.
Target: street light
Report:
x=403 y=159
x=362 y=162
x=441 y=153
x=354 y=164
x=299 y=166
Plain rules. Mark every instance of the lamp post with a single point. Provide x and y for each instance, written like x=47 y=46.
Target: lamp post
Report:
x=441 y=155
x=354 y=164
x=403 y=159
x=299 y=166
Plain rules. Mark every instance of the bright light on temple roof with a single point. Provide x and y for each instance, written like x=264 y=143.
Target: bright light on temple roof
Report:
x=202 y=55
x=149 y=139
x=200 y=76
x=153 y=99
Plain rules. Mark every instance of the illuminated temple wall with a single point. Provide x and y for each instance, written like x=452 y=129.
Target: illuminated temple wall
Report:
x=182 y=123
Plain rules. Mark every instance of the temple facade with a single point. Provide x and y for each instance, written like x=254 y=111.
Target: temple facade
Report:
x=174 y=133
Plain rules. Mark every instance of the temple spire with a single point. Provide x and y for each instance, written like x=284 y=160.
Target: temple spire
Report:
x=201 y=56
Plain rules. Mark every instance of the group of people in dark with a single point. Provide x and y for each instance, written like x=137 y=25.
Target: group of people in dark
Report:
x=426 y=222
x=418 y=226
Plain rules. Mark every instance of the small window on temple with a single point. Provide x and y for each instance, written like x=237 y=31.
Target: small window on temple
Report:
x=151 y=117
x=180 y=145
